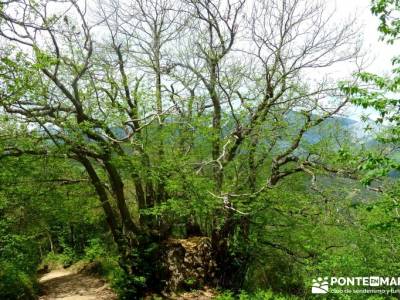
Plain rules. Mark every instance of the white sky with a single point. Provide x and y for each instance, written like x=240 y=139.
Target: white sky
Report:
x=379 y=52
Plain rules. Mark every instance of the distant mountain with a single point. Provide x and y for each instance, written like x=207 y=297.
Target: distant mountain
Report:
x=333 y=125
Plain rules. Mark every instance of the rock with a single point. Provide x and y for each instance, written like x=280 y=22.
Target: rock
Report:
x=188 y=263
x=44 y=270
x=92 y=268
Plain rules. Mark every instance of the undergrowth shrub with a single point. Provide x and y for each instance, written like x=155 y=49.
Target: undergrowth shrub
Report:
x=18 y=261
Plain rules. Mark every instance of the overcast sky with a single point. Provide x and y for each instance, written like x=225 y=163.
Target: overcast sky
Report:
x=380 y=51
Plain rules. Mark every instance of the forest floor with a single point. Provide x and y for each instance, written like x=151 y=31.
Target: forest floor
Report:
x=66 y=284
x=203 y=294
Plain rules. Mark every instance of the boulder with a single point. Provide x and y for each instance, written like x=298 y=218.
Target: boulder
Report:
x=188 y=263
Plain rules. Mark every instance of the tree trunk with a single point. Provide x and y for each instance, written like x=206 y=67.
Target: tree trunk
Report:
x=217 y=131
x=120 y=239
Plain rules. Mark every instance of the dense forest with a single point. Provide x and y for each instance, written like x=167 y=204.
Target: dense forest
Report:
x=198 y=148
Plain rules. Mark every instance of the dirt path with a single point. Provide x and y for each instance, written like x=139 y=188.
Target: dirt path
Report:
x=68 y=285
